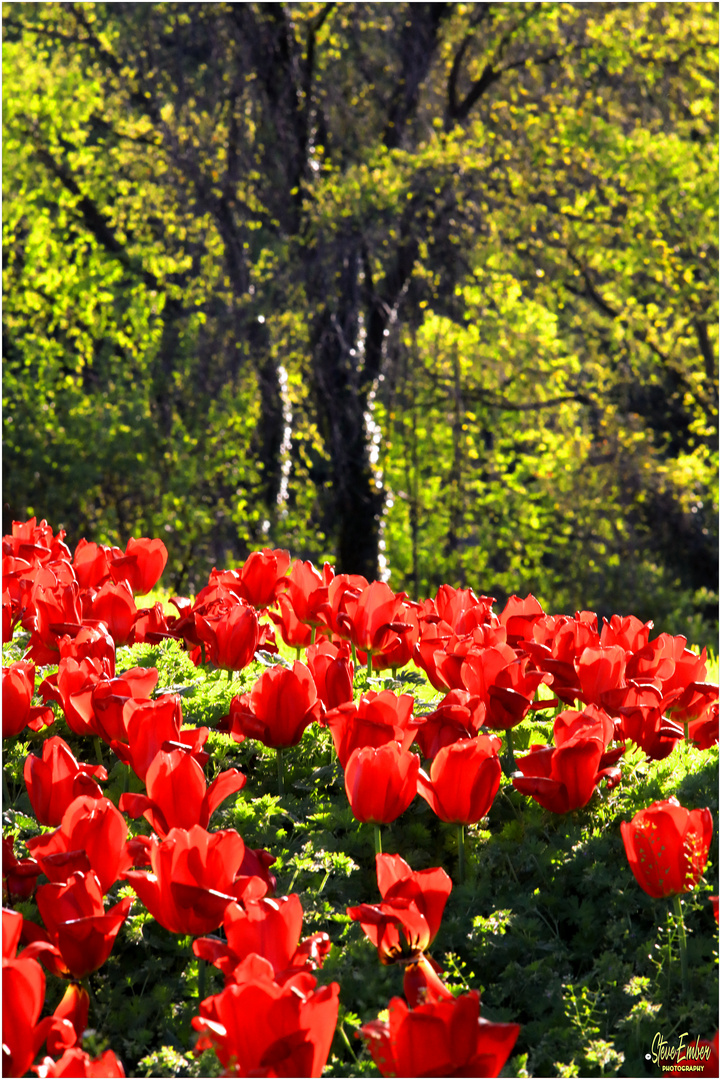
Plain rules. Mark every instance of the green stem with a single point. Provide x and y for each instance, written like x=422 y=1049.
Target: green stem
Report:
x=279 y=763
x=510 y=759
x=297 y=652
x=685 y=730
x=461 y=854
x=98 y=749
x=201 y=979
x=682 y=939
x=353 y=654
x=313 y=630
x=230 y=675
x=377 y=839
x=370 y=665
x=6 y=792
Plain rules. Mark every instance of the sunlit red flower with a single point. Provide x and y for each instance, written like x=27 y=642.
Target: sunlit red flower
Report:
x=263 y=576
x=332 y=670
x=381 y=782
x=54 y=781
x=464 y=780
x=194 y=878
x=308 y=593
x=19 y=875
x=374 y=620
x=407 y=920
x=563 y=777
x=459 y=716
x=281 y=705
x=91 y=837
x=152 y=726
x=373 y=720
x=443 y=1038
x=259 y=1028
x=78 y=927
x=18 y=690
x=114 y=605
x=667 y=847
x=269 y=928
x=142 y=565
x=176 y=793
x=295 y=634
x=230 y=639
x=77 y=1063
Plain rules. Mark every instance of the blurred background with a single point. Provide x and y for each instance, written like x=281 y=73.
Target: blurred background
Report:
x=428 y=290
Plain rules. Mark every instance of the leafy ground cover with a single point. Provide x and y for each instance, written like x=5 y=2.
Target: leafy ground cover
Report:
x=548 y=923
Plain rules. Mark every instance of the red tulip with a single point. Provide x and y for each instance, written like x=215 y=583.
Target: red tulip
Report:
x=58 y=611
x=18 y=690
x=600 y=671
x=23 y=986
x=667 y=847
x=332 y=671
x=80 y=931
x=151 y=726
x=408 y=919
x=76 y=1063
x=281 y=705
x=28 y=540
x=463 y=610
x=373 y=720
x=56 y=780
x=142 y=565
x=19 y=875
x=194 y=878
x=308 y=593
x=259 y=1028
x=91 y=837
x=114 y=605
x=268 y=928
x=381 y=783
x=374 y=620
x=91 y=563
x=459 y=716
x=464 y=780
x=502 y=682
x=176 y=793
x=151 y=625
x=628 y=632
x=262 y=577
x=563 y=778
x=232 y=639
x=519 y=617
x=444 y=1038
x=295 y=634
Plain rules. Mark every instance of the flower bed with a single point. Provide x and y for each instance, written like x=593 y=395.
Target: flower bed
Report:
x=308 y=825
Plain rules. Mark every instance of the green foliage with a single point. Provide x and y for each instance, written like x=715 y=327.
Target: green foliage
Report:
x=233 y=246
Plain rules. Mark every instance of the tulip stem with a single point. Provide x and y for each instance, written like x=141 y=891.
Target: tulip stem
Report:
x=377 y=839
x=369 y=666
x=353 y=654
x=230 y=675
x=510 y=759
x=201 y=979
x=461 y=854
x=6 y=792
x=682 y=941
x=312 y=634
x=297 y=652
x=98 y=750
x=279 y=763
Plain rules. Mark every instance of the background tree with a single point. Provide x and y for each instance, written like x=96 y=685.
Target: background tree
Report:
x=429 y=283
